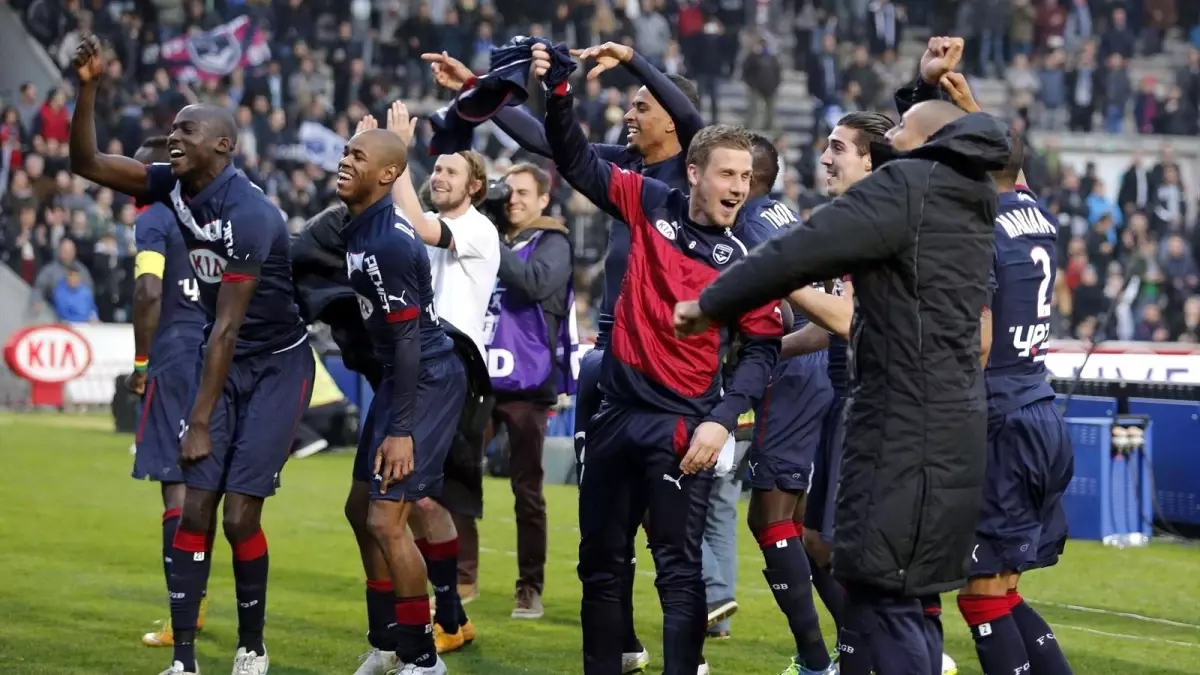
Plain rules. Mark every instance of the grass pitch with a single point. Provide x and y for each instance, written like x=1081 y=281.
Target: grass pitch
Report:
x=81 y=580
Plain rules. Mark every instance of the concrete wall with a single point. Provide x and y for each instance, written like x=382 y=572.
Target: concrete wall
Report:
x=17 y=310
x=23 y=57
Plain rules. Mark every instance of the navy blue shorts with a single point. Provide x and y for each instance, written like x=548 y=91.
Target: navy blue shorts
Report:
x=253 y=423
x=163 y=411
x=1030 y=463
x=587 y=398
x=441 y=393
x=822 y=498
x=787 y=424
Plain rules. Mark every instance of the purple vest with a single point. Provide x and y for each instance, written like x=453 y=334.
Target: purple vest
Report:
x=518 y=339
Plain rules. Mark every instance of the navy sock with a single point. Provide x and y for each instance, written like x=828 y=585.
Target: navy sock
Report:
x=381 y=613
x=413 y=634
x=630 y=642
x=189 y=576
x=931 y=610
x=788 y=575
x=250 y=563
x=832 y=595
x=1045 y=655
x=997 y=639
x=441 y=564
x=170 y=523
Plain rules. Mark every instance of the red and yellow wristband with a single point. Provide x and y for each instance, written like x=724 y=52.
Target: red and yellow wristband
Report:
x=141 y=364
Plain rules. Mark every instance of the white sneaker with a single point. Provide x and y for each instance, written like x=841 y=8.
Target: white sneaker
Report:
x=438 y=668
x=250 y=663
x=702 y=670
x=631 y=662
x=949 y=667
x=377 y=662
x=177 y=669
x=311 y=449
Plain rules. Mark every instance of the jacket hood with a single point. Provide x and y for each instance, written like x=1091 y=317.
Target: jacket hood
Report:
x=546 y=223
x=973 y=144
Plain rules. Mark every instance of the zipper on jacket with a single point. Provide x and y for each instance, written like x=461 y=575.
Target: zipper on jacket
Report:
x=729 y=233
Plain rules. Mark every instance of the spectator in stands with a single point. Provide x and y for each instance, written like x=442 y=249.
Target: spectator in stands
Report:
x=1119 y=38
x=1118 y=90
x=1084 y=85
x=653 y=33
x=29 y=106
x=72 y=299
x=54 y=120
x=1022 y=23
x=1022 y=84
x=762 y=73
x=1052 y=92
x=52 y=274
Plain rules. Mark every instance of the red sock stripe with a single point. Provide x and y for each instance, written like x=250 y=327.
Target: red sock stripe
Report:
x=442 y=550
x=192 y=542
x=413 y=611
x=981 y=609
x=171 y=513
x=422 y=546
x=1014 y=598
x=251 y=548
x=380 y=585
x=776 y=532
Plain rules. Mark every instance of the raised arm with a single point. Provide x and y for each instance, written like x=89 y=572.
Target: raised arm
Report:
x=148 y=267
x=866 y=224
x=123 y=174
x=942 y=55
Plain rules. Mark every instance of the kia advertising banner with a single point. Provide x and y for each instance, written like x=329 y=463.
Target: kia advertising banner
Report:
x=213 y=54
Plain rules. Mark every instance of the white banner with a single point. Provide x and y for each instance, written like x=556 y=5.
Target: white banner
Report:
x=111 y=350
x=322 y=145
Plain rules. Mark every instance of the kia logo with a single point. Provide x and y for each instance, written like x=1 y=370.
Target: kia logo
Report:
x=49 y=354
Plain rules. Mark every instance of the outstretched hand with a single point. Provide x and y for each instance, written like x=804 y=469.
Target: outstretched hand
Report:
x=607 y=56
x=942 y=55
x=367 y=123
x=448 y=71
x=399 y=122
x=955 y=85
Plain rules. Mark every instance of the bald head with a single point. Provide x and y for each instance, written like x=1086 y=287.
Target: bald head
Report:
x=372 y=161
x=384 y=149
x=922 y=121
x=218 y=121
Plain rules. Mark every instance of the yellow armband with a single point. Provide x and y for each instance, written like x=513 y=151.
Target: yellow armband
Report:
x=149 y=262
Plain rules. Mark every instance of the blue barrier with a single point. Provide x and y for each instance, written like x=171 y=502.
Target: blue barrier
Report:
x=1109 y=497
x=1176 y=462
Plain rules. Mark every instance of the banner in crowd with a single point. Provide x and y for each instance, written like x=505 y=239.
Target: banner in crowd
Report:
x=213 y=54
x=89 y=357
x=322 y=146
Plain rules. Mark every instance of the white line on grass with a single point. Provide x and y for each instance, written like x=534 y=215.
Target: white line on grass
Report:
x=1109 y=612
x=1123 y=636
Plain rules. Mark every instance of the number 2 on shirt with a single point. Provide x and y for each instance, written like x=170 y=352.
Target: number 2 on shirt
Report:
x=1042 y=258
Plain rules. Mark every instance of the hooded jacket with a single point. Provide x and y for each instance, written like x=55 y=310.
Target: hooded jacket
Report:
x=323 y=293
x=917 y=237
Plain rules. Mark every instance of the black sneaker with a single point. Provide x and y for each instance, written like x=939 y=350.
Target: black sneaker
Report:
x=720 y=610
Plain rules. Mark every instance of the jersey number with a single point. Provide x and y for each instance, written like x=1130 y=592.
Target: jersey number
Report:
x=191 y=289
x=1040 y=257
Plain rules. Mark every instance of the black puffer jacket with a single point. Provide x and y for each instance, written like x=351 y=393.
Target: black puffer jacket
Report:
x=324 y=294
x=917 y=236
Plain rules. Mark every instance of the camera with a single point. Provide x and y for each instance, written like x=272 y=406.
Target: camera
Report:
x=495 y=203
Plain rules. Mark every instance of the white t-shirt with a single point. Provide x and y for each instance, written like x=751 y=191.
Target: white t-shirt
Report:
x=464 y=278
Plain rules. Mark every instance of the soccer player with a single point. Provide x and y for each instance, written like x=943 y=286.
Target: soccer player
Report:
x=788 y=426
x=1030 y=460
x=463 y=248
x=414 y=415
x=662 y=120
x=257 y=368
x=663 y=396
x=168 y=329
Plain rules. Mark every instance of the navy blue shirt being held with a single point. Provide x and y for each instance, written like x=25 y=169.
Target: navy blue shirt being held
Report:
x=181 y=321
x=234 y=233
x=388 y=269
x=1022 y=288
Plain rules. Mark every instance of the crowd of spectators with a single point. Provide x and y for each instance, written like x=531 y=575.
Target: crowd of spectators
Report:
x=330 y=63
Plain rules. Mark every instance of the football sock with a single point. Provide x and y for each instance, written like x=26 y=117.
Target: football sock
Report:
x=997 y=639
x=170 y=523
x=250 y=562
x=1045 y=655
x=381 y=612
x=931 y=610
x=441 y=563
x=830 y=591
x=630 y=641
x=788 y=576
x=414 y=637
x=188 y=577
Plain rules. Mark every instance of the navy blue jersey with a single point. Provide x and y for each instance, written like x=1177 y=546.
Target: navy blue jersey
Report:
x=233 y=233
x=671 y=259
x=181 y=321
x=388 y=269
x=1022 y=287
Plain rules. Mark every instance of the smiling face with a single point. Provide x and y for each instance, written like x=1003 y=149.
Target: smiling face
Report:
x=526 y=202
x=370 y=164
x=845 y=164
x=197 y=143
x=720 y=186
x=648 y=123
x=451 y=183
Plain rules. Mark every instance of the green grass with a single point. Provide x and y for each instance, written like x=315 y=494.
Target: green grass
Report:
x=80 y=580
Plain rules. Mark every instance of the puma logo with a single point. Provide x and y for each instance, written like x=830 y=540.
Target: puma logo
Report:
x=668 y=478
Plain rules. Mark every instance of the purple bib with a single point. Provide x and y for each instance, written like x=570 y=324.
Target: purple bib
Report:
x=518 y=340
